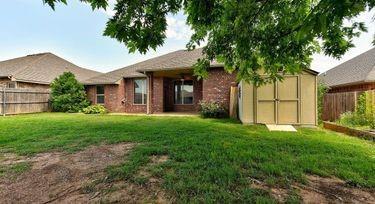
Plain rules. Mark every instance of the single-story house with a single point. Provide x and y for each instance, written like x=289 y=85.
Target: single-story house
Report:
x=291 y=101
x=37 y=71
x=161 y=84
x=356 y=74
x=167 y=84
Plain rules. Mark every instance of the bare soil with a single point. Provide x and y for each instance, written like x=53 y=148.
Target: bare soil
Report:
x=321 y=190
x=57 y=177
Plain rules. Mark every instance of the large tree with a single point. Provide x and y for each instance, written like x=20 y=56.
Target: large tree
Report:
x=278 y=36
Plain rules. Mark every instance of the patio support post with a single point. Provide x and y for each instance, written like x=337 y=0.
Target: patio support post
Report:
x=149 y=91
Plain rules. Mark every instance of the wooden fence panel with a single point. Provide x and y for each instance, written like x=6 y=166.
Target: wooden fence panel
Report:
x=16 y=101
x=335 y=104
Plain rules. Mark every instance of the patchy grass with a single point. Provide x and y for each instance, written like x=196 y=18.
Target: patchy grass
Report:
x=208 y=160
x=14 y=169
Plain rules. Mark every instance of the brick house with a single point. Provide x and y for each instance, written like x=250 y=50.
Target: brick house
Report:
x=161 y=84
x=356 y=74
x=38 y=71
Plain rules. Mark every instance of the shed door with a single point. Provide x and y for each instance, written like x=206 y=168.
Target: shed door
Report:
x=266 y=104
x=288 y=100
x=278 y=103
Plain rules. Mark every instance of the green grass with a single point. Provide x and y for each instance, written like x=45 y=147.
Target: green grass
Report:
x=14 y=169
x=210 y=160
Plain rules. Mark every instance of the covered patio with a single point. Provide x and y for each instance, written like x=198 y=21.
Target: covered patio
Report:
x=173 y=91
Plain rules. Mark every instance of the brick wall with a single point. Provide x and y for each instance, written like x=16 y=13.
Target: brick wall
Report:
x=169 y=96
x=120 y=98
x=356 y=87
x=130 y=107
x=216 y=87
x=157 y=95
x=91 y=93
x=113 y=96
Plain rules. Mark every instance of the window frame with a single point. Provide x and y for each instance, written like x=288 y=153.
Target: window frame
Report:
x=144 y=94
x=182 y=95
x=103 y=94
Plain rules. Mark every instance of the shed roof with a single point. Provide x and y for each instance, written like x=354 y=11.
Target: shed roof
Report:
x=42 y=68
x=359 y=69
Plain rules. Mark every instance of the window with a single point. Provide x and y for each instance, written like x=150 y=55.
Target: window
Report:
x=183 y=92
x=140 y=91
x=100 y=94
x=11 y=85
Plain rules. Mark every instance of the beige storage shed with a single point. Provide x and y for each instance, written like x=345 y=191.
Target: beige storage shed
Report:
x=291 y=101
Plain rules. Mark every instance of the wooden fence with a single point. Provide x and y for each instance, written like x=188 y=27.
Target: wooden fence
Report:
x=335 y=104
x=16 y=101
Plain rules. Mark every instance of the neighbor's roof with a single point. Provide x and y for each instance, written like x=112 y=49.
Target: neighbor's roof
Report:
x=42 y=68
x=181 y=59
x=357 y=70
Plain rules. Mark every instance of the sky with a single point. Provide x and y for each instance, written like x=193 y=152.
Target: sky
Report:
x=75 y=33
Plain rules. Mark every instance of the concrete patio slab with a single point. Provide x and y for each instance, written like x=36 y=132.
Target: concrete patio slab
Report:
x=286 y=128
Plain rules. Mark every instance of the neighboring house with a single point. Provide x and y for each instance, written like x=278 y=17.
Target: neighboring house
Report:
x=161 y=84
x=357 y=74
x=38 y=71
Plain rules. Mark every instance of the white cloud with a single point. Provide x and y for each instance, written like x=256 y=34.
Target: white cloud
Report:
x=177 y=29
x=110 y=9
x=322 y=62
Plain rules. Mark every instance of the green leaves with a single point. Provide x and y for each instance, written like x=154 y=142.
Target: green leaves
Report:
x=270 y=36
x=67 y=94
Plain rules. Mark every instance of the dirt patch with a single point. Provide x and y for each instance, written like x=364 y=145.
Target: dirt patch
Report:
x=330 y=190
x=280 y=194
x=320 y=190
x=60 y=177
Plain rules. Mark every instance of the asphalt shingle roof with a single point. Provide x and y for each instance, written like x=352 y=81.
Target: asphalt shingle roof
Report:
x=181 y=59
x=359 y=69
x=42 y=68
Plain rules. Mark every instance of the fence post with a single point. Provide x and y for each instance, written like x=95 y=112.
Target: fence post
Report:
x=4 y=100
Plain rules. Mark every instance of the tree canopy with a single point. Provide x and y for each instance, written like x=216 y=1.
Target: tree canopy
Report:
x=278 y=36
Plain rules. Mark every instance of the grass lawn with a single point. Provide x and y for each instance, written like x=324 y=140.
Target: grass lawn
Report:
x=209 y=160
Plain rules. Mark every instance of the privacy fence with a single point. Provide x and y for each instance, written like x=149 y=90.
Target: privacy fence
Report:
x=16 y=101
x=335 y=104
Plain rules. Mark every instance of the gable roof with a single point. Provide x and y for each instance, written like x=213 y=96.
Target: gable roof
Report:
x=356 y=70
x=42 y=68
x=181 y=59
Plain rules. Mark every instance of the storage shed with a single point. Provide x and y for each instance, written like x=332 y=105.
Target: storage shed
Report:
x=292 y=101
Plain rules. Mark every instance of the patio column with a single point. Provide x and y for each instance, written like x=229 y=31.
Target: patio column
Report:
x=149 y=92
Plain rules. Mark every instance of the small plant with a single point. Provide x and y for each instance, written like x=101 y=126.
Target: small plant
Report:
x=212 y=110
x=95 y=109
x=348 y=119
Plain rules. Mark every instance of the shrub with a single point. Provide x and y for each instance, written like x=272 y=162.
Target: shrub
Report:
x=322 y=89
x=212 y=110
x=67 y=94
x=348 y=119
x=95 y=109
x=357 y=119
